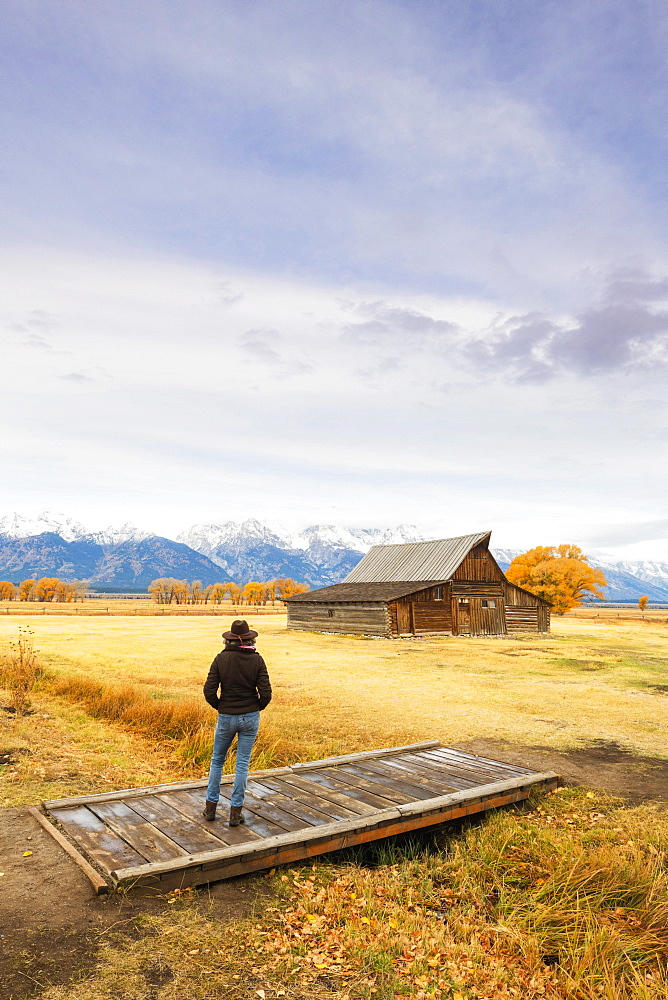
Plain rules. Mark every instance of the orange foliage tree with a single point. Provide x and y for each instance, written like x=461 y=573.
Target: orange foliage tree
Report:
x=26 y=590
x=7 y=591
x=642 y=603
x=166 y=590
x=560 y=574
x=286 y=587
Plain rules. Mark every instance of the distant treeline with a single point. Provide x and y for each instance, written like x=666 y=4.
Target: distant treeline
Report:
x=167 y=590
x=48 y=589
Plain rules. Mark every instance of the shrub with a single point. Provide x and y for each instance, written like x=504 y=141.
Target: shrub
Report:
x=20 y=671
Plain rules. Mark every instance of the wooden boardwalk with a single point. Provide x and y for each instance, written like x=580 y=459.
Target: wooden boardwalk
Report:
x=158 y=837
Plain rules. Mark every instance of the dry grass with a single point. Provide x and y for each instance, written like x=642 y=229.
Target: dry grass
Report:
x=565 y=901
x=128 y=606
x=20 y=670
x=585 y=680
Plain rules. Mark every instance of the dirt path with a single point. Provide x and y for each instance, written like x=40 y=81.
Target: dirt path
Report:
x=51 y=923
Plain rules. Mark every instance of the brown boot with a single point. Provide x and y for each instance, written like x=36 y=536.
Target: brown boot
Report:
x=235 y=816
x=209 y=810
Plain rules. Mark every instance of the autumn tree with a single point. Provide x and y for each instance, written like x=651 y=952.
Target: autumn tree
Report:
x=46 y=589
x=287 y=587
x=560 y=574
x=217 y=593
x=196 y=589
x=253 y=592
x=7 y=591
x=163 y=590
x=234 y=591
x=642 y=603
x=27 y=590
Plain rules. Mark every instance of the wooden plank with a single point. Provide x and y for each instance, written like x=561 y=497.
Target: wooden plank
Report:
x=281 y=851
x=337 y=782
x=322 y=785
x=364 y=755
x=291 y=804
x=268 y=845
x=440 y=777
x=254 y=820
x=364 y=784
x=476 y=776
x=477 y=763
x=410 y=775
x=331 y=804
x=146 y=839
x=268 y=811
x=396 y=784
x=469 y=773
x=97 y=840
x=437 y=771
x=480 y=793
x=99 y=884
x=133 y=793
x=191 y=803
x=190 y=836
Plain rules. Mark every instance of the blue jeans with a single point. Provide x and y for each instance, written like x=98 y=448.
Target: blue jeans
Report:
x=246 y=726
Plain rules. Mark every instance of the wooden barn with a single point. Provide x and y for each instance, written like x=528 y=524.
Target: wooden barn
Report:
x=452 y=586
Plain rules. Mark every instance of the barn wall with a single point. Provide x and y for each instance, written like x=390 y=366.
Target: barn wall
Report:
x=525 y=612
x=479 y=565
x=368 y=618
x=435 y=616
x=421 y=612
x=469 y=615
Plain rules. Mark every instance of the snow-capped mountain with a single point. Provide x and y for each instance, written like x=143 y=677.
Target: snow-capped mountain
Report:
x=208 y=538
x=652 y=572
x=322 y=554
x=18 y=526
x=318 y=555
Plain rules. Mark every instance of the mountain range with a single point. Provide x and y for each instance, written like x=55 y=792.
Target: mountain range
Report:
x=55 y=545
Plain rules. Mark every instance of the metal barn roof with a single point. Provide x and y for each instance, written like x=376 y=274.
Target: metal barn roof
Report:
x=359 y=593
x=414 y=561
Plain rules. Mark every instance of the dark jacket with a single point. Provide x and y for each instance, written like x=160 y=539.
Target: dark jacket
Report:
x=243 y=681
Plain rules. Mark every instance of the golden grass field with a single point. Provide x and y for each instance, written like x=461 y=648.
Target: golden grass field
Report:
x=588 y=679
x=568 y=900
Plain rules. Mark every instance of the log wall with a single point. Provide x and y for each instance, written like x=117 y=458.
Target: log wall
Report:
x=370 y=618
x=525 y=612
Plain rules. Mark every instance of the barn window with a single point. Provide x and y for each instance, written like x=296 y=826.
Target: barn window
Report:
x=489 y=604
x=438 y=593
x=330 y=613
x=463 y=600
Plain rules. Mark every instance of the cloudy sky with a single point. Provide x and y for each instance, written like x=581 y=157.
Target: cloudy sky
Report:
x=360 y=262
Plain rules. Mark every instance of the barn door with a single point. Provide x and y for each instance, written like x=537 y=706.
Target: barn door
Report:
x=463 y=616
x=404 y=619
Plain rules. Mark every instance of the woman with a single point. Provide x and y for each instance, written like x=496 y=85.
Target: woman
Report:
x=240 y=674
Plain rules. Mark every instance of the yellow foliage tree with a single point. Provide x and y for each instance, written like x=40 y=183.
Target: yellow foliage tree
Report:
x=217 y=593
x=253 y=592
x=642 y=603
x=560 y=574
x=27 y=590
x=7 y=591
x=286 y=587
x=46 y=588
x=163 y=590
